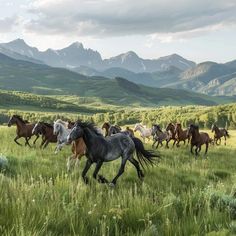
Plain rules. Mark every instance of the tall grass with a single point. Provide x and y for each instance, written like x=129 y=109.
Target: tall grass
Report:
x=180 y=196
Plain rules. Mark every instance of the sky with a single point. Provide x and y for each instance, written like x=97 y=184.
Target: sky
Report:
x=199 y=30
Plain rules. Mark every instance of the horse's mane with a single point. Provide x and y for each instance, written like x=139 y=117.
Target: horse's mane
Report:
x=90 y=126
x=48 y=125
x=61 y=122
x=20 y=118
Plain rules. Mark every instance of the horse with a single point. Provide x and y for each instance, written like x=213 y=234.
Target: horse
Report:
x=70 y=124
x=180 y=134
x=61 y=131
x=171 y=129
x=159 y=136
x=198 y=139
x=107 y=126
x=78 y=149
x=23 y=129
x=144 y=132
x=102 y=149
x=46 y=130
x=114 y=130
x=219 y=133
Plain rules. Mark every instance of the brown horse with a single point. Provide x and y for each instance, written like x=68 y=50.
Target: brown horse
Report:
x=219 y=133
x=70 y=124
x=107 y=126
x=198 y=139
x=78 y=149
x=180 y=134
x=23 y=129
x=171 y=129
x=46 y=130
x=131 y=132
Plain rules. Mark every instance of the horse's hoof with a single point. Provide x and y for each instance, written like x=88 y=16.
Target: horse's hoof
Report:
x=112 y=185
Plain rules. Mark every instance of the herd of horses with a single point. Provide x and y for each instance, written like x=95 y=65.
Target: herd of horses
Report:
x=88 y=140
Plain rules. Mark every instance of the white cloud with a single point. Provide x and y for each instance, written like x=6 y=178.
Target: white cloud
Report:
x=102 y=18
x=7 y=24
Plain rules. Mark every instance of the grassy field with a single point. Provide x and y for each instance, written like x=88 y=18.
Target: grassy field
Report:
x=180 y=196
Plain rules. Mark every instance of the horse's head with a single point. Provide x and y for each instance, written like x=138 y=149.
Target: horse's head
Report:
x=177 y=127
x=213 y=127
x=170 y=127
x=155 y=128
x=76 y=132
x=56 y=127
x=137 y=126
x=12 y=121
x=70 y=124
x=192 y=129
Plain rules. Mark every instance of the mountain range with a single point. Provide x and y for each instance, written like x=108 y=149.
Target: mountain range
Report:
x=42 y=79
x=171 y=71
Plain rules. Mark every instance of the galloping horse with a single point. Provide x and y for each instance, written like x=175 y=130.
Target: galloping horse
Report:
x=159 y=136
x=144 y=132
x=219 y=133
x=101 y=149
x=61 y=131
x=180 y=134
x=115 y=130
x=46 y=130
x=107 y=126
x=198 y=139
x=23 y=129
x=171 y=129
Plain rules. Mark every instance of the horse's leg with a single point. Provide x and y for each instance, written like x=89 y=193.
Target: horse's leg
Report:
x=196 y=152
x=177 y=144
x=207 y=144
x=46 y=143
x=101 y=179
x=121 y=170
x=15 y=139
x=225 y=139
x=154 y=142
x=174 y=142
x=43 y=142
x=191 y=150
x=184 y=141
x=137 y=166
x=158 y=144
x=85 y=170
x=199 y=149
x=70 y=160
x=37 y=136
x=167 y=146
x=27 y=141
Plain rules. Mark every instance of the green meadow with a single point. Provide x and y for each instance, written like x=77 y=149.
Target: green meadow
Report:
x=180 y=196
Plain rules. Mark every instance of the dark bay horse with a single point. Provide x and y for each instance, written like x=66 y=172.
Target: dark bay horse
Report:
x=101 y=149
x=198 y=139
x=46 y=130
x=180 y=134
x=23 y=129
x=171 y=129
x=219 y=133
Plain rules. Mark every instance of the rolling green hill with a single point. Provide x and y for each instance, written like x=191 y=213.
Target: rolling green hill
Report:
x=41 y=79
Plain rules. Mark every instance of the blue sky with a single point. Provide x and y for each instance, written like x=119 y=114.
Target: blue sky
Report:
x=198 y=30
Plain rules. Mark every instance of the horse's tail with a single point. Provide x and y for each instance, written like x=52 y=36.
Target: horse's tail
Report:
x=145 y=157
x=227 y=133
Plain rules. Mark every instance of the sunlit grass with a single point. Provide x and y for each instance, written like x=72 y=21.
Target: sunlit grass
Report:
x=180 y=196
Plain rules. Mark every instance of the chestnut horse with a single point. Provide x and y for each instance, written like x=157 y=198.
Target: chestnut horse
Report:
x=23 y=129
x=198 y=139
x=219 y=133
x=46 y=130
x=78 y=149
x=171 y=129
x=180 y=134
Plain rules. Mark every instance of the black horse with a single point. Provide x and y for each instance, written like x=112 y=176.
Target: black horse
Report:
x=101 y=149
x=114 y=129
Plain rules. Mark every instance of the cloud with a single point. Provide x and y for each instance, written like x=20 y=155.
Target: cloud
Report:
x=7 y=24
x=108 y=18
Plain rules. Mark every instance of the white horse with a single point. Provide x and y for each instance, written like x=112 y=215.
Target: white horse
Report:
x=144 y=131
x=60 y=129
